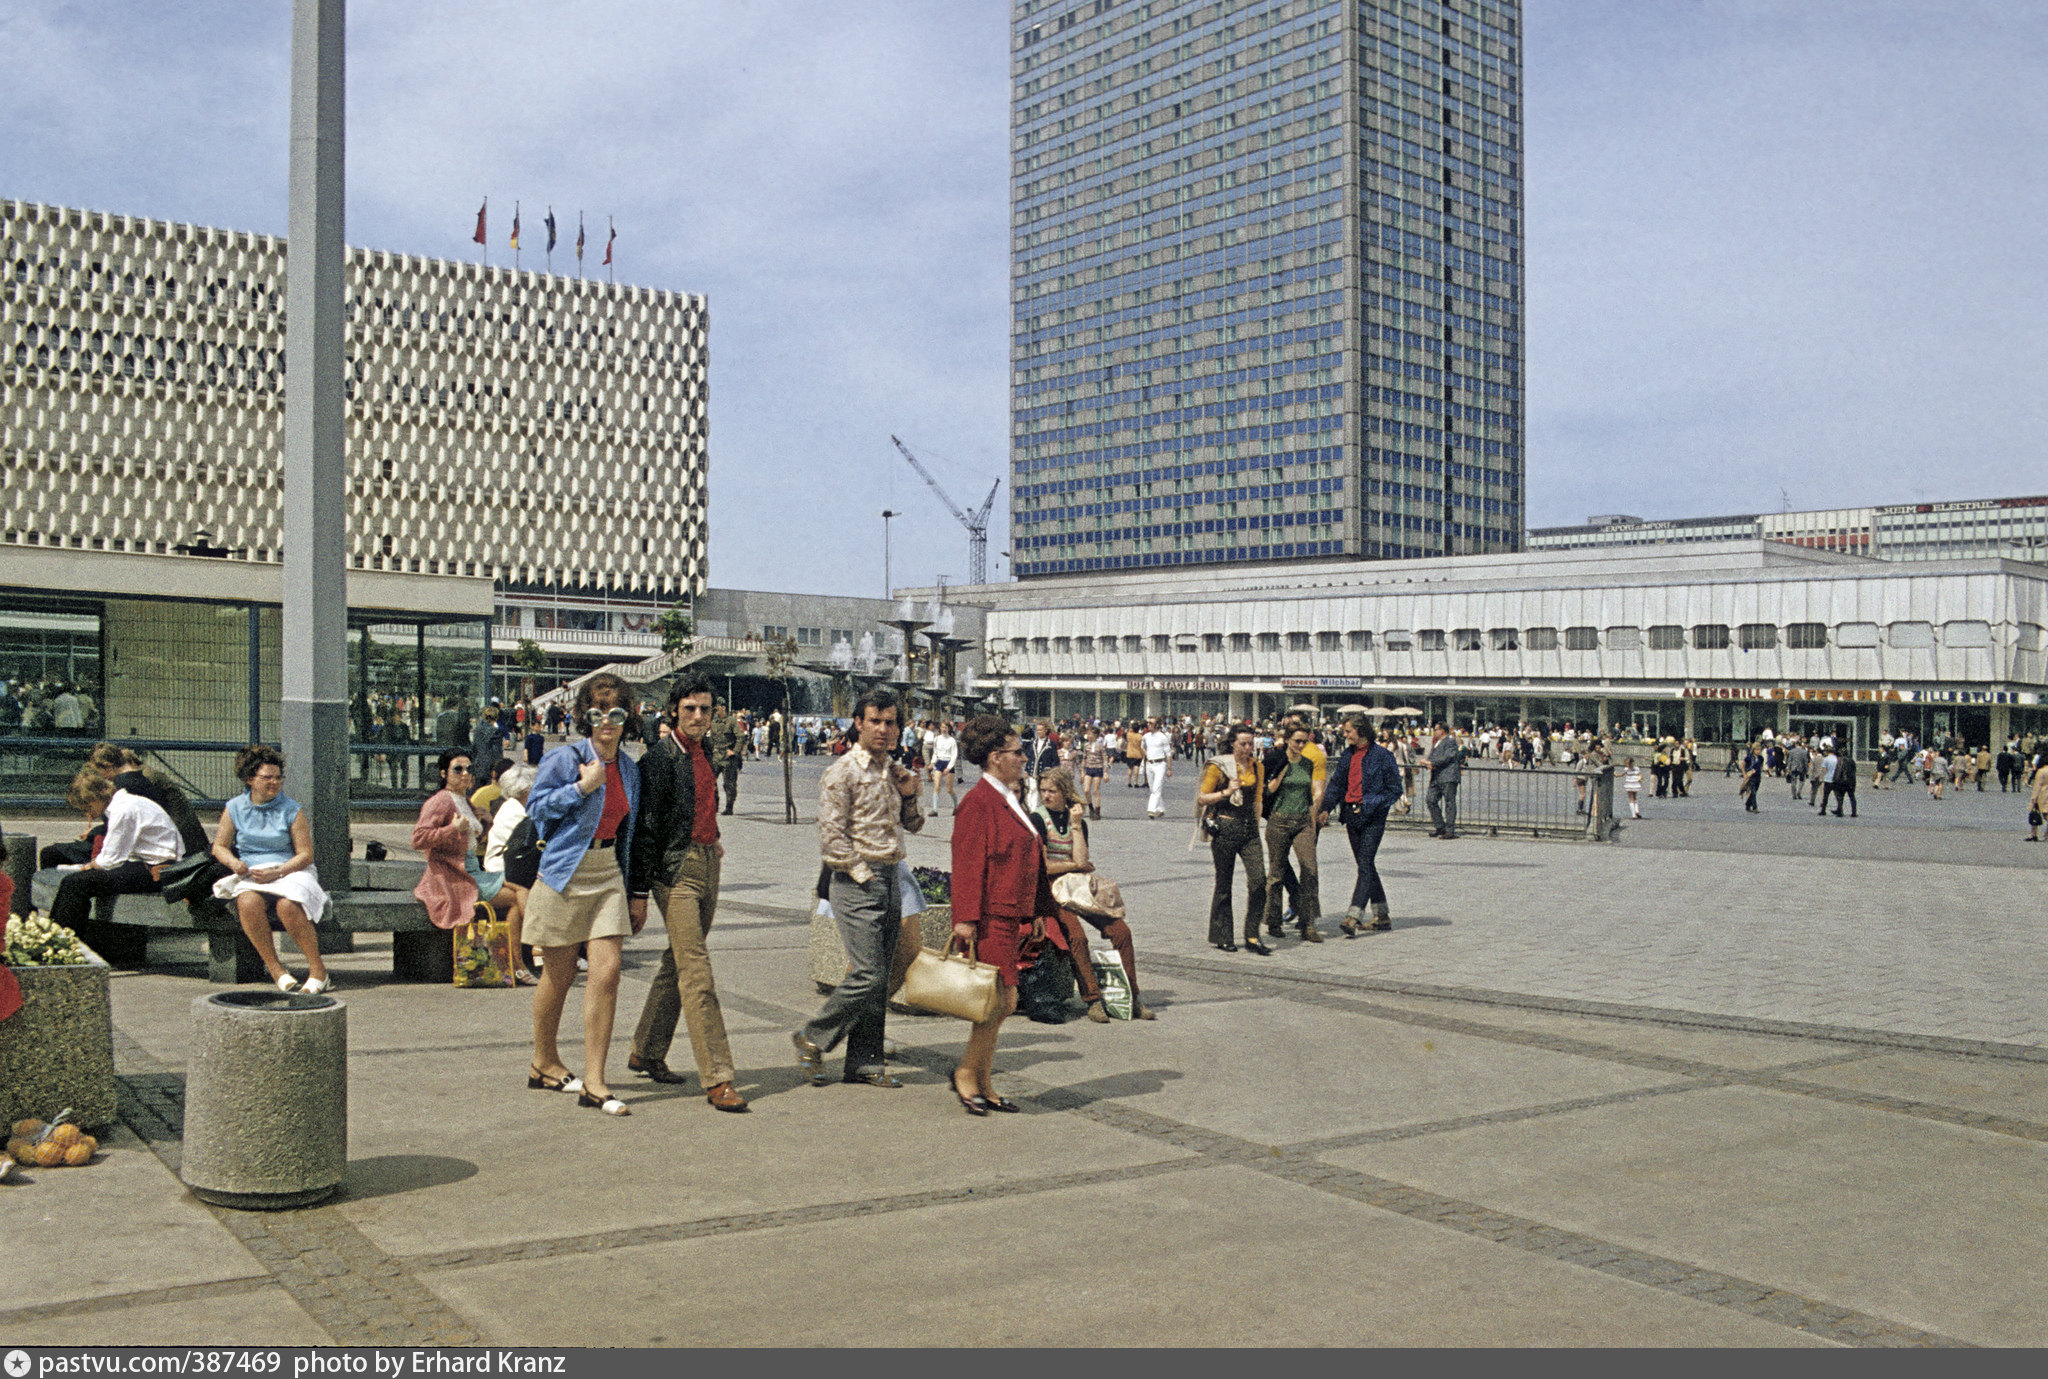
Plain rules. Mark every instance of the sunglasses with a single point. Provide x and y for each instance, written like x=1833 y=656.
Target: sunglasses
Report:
x=615 y=718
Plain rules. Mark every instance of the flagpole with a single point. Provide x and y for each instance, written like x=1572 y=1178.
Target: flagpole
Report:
x=515 y=236
x=610 y=233
x=484 y=235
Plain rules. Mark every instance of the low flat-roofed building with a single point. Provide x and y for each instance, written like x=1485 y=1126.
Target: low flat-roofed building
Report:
x=1714 y=641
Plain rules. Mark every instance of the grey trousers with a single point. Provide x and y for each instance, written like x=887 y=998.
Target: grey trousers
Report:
x=1443 y=806
x=870 y=917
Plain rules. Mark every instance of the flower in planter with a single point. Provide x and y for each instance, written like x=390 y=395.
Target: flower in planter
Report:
x=38 y=942
x=934 y=885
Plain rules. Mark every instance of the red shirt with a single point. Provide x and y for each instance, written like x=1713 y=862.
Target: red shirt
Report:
x=616 y=807
x=704 y=828
x=1354 y=783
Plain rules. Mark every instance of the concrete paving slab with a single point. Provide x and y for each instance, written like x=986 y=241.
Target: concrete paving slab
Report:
x=2019 y=1090
x=1726 y=1049
x=1931 y=1225
x=267 y=1318
x=121 y=1225
x=1275 y=1071
x=560 y=1169
x=1254 y=1262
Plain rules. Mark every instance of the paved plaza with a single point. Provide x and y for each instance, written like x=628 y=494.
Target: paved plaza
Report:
x=1699 y=1087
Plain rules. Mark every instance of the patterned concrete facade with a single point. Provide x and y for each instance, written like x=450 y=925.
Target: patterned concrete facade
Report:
x=534 y=429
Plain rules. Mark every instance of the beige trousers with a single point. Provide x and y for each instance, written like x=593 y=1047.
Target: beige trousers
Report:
x=683 y=986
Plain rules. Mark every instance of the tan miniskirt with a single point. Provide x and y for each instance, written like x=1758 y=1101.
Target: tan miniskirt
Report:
x=593 y=906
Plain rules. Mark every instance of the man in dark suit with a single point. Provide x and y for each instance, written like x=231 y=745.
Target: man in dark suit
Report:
x=1446 y=767
x=1361 y=788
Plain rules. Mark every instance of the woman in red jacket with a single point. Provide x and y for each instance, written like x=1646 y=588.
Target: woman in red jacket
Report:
x=999 y=888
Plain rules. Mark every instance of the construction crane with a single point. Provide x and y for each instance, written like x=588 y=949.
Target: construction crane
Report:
x=977 y=525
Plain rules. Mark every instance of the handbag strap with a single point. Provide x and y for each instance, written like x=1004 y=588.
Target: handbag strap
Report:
x=967 y=946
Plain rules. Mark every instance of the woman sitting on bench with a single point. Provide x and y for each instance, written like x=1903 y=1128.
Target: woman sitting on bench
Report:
x=266 y=840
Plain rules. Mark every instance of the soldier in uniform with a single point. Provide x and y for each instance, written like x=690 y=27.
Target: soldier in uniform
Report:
x=723 y=739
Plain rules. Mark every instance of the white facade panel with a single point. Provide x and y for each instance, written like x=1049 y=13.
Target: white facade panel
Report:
x=521 y=426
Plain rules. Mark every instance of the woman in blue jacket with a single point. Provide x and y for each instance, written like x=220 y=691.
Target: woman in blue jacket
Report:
x=1361 y=788
x=584 y=799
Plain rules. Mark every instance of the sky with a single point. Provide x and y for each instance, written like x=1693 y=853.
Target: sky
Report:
x=1778 y=253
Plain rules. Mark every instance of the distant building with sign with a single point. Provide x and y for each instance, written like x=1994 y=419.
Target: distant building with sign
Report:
x=2007 y=528
x=1716 y=641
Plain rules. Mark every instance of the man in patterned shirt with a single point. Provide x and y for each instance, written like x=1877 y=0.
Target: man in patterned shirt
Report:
x=865 y=801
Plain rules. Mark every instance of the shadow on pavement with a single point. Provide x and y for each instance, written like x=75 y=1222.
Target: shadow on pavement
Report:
x=391 y=1174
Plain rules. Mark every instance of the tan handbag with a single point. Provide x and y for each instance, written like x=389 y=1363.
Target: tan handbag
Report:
x=1087 y=894
x=951 y=983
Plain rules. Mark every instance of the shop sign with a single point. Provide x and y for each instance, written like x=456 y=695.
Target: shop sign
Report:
x=1802 y=694
x=1833 y=696
x=1316 y=682
x=1972 y=697
x=1173 y=683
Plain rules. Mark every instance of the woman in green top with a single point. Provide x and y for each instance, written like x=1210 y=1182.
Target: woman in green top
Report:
x=1294 y=782
x=1064 y=833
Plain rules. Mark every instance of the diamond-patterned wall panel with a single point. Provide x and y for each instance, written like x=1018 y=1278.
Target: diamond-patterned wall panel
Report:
x=538 y=429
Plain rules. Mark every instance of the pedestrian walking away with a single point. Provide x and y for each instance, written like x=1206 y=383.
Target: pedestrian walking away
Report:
x=1362 y=787
x=866 y=801
x=677 y=853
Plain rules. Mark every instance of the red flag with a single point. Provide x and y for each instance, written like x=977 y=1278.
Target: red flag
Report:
x=479 y=235
x=614 y=234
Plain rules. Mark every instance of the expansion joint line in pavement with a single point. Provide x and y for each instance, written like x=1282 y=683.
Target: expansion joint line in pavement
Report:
x=1334 y=996
x=352 y=1289
x=1277 y=981
x=1299 y=1164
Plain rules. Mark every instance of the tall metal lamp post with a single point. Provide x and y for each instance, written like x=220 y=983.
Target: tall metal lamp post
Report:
x=888 y=582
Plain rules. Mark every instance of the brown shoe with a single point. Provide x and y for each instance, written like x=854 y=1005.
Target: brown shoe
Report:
x=1311 y=934
x=1097 y=1013
x=725 y=1098
x=655 y=1069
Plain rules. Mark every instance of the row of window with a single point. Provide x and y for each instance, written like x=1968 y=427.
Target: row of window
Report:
x=1749 y=636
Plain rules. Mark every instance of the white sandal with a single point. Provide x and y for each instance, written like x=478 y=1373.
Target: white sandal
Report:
x=313 y=986
x=287 y=983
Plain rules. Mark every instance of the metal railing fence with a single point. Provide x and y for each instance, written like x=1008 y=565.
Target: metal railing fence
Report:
x=1540 y=802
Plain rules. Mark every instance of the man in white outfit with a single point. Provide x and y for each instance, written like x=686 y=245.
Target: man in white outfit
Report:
x=1158 y=745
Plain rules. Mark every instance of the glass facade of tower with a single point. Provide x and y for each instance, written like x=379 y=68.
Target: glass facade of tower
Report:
x=1266 y=281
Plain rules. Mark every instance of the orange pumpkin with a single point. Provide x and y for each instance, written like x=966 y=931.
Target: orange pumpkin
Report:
x=66 y=1134
x=79 y=1153
x=49 y=1154
x=27 y=1129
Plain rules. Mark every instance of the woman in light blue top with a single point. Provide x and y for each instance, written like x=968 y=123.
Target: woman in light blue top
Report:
x=266 y=840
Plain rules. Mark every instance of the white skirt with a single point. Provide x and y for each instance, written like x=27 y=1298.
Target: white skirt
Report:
x=302 y=887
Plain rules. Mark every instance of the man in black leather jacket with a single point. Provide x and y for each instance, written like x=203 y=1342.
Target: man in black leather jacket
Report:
x=676 y=854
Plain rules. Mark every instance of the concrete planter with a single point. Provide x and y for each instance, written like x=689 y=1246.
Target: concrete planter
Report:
x=828 y=955
x=266 y=1099
x=58 y=1049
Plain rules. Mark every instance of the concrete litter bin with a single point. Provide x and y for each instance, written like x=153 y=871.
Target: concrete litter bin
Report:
x=21 y=865
x=266 y=1099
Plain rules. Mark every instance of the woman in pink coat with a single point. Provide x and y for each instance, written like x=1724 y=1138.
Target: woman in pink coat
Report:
x=446 y=835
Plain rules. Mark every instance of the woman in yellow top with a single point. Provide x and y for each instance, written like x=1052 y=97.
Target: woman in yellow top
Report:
x=1232 y=788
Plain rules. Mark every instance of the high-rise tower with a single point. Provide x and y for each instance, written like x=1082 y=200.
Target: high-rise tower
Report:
x=1266 y=281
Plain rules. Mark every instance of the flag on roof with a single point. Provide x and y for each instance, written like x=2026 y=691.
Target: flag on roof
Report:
x=479 y=235
x=579 y=236
x=614 y=234
x=515 y=225
x=551 y=229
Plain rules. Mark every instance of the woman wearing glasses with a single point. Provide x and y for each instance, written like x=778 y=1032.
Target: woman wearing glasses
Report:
x=266 y=840
x=446 y=835
x=583 y=800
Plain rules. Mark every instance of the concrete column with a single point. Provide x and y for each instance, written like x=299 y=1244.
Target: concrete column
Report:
x=2001 y=726
x=1691 y=718
x=1522 y=712
x=1606 y=718
x=1884 y=716
x=1784 y=724
x=314 y=714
